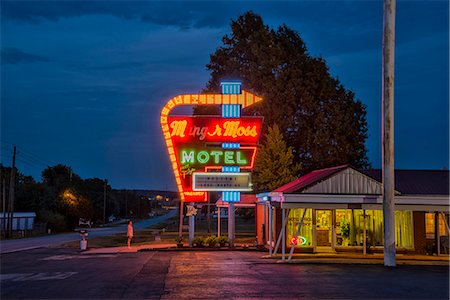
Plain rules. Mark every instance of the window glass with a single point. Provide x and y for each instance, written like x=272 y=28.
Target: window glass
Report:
x=429 y=225
x=304 y=239
x=403 y=229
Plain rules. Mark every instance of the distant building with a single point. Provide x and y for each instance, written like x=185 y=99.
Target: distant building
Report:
x=21 y=221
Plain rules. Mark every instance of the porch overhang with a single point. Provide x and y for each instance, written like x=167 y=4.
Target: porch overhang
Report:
x=369 y=202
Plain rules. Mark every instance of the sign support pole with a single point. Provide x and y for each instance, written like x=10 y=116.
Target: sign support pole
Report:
x=191 y=230
x=231 y=224
x=180 y=227
x=218 y=221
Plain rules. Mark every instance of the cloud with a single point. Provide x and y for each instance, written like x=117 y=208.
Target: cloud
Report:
x=17 y=56
x=174 y=13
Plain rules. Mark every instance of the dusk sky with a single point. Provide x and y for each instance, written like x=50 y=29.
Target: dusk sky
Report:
x=83 y=83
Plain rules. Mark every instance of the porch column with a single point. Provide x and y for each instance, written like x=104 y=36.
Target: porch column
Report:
x=436 y=233
x=364 y=233
x=270 y=228
x=333 y=228
x=314 y=231
x=283 y=234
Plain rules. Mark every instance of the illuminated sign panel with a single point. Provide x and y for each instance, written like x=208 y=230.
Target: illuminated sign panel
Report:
x=199 y=143
x=215 y=129
x=199 y=158
x=222 y=181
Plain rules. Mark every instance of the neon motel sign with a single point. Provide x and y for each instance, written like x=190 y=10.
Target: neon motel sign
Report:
x=199 y=143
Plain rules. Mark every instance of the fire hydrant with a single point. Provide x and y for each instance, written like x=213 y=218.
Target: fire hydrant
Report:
x=83 y=242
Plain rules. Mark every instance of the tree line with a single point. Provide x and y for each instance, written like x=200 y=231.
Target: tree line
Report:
x=62 y=197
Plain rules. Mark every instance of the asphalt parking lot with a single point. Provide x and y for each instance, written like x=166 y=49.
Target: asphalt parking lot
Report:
x=64 y=273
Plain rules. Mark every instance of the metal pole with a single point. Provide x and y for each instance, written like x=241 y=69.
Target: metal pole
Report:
x=437 y=233
x=126 y=204
x=283 y=235
x=231 y=224
x=218 y=221
x=4 y=206
x=11 y=195
x=364 y=233
x=388 y=132
x=180 y=227
x=191 y=229
x=277 y=244
x=270 y=229
x=104 y=201
x=446 y=223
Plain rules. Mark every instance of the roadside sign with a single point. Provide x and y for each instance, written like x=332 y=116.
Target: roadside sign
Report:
x=191 y=210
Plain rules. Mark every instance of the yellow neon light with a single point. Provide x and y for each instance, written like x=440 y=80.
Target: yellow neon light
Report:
x=244 y=99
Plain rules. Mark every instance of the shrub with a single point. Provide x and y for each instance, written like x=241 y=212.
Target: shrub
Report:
x=211 y=241
x=198 y=242
x=222 y=240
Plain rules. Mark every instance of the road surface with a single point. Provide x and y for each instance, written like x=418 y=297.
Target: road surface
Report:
x=52 y=273
x=58 y=239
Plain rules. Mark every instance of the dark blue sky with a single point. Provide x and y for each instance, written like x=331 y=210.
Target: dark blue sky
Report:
x=83 y=83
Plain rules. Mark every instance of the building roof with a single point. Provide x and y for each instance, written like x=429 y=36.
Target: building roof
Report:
x=247 y=200
x=418 y=182
x=309 y=179
x=407 y=182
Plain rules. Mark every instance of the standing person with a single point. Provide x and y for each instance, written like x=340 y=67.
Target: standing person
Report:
x=130 y=233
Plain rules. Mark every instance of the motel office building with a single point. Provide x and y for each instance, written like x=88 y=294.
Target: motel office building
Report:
x=344 y=207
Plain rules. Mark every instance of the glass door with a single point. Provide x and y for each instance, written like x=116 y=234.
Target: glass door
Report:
x=324 y=232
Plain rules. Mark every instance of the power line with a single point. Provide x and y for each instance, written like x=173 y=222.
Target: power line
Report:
x=30 y=155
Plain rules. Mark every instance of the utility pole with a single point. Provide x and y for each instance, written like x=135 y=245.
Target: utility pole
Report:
x=104 y=201
x=126 y=203
x=11 y=193
x=388 y=132
x=4 y=205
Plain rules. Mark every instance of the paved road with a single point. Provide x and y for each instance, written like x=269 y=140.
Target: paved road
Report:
x=58 y=239
x=67 y=274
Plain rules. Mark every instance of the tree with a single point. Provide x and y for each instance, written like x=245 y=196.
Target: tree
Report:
x=93 y=189
x=320 y=119
x=28 y=193
x=274 y=165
